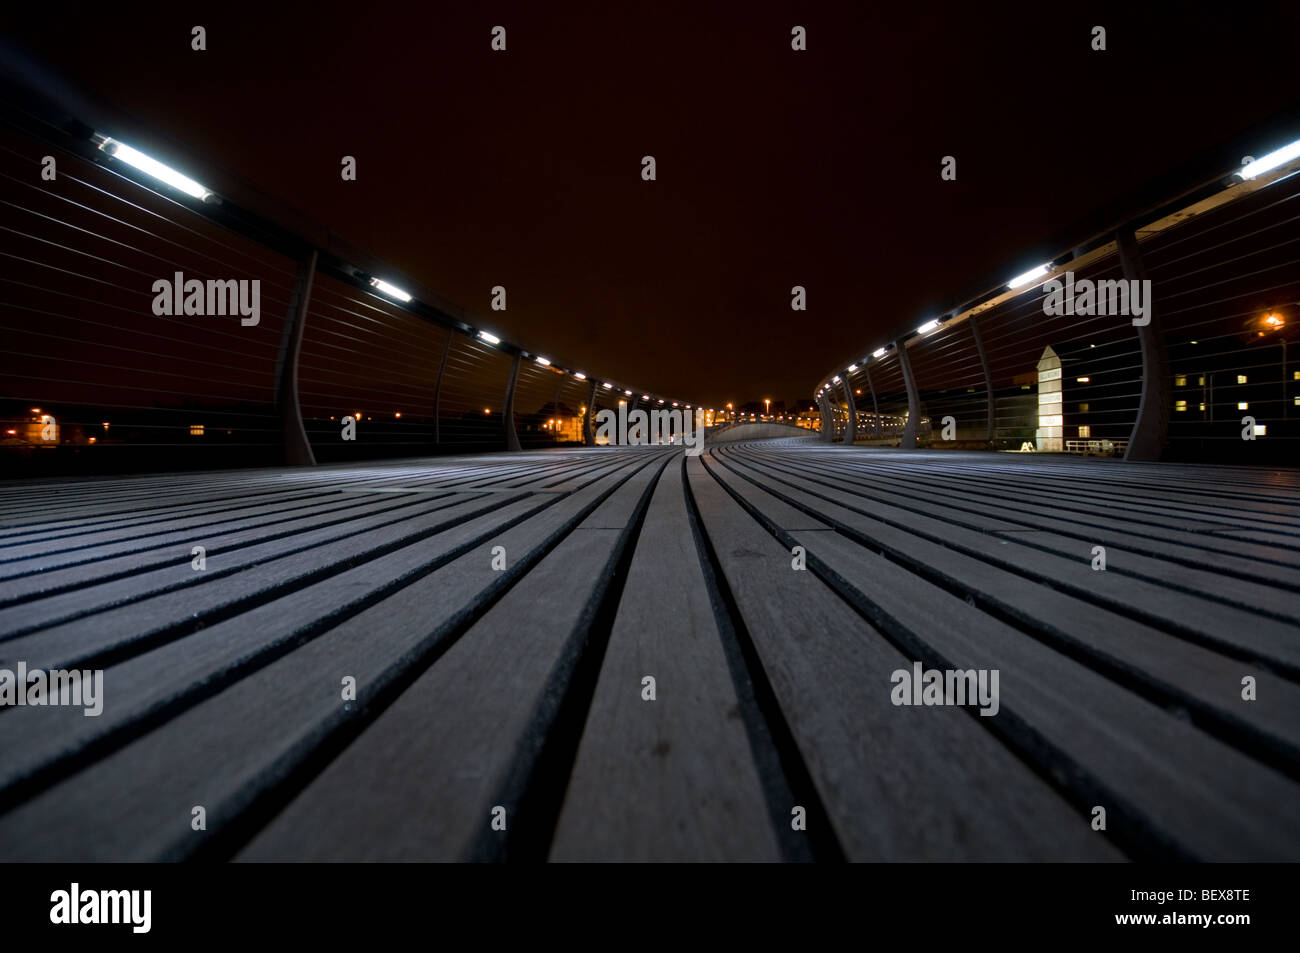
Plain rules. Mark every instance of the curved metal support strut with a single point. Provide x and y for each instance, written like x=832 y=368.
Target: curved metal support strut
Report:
x=908 y=441
x=295 y=446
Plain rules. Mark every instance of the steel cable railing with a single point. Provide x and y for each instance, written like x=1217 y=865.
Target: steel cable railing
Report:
x=75 y=280
x=93 y=379
x=1223 y=264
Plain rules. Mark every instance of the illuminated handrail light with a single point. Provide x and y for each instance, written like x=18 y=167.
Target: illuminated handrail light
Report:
x=878 y=352
x=391 y=290
x=928 y=327
x=607 y=386
x=628 y=393
x=150 y=166
x=1029 y=276
x=490 y=338
x=545 y=362
x=579 y=375
x=852 y=368
x=1271 y=161
x=835 y=380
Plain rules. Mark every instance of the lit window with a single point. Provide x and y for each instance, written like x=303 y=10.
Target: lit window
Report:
x=1084 y=408
x=1082 y=380
x=1180 y=405
x=1201 y=380
x=1242 y=405
x=1241 y=378
x=1085 y=430
x=1180 y=381
x=196 y=430
x=1202 y=408
x=1261 y=430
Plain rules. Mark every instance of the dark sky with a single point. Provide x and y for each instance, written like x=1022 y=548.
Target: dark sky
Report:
x=775 y=167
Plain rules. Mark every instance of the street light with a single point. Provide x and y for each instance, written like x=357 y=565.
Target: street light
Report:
x=1274 y=322
x=767 y=406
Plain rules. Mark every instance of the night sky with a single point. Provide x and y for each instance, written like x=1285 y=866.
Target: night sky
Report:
x=775 y=167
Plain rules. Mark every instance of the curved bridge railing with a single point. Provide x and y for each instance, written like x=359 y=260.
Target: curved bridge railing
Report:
x=151 y=322
x=1166 y=334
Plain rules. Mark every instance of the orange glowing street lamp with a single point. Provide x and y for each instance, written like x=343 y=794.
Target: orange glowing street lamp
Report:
x=1270 y=323
x=767 y=406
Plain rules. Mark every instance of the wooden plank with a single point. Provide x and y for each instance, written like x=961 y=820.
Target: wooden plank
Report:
x=671 y=779
x=218 y=701
x=1175 y=671
x=1166 y=785
x=135 y=538
x=174 y=676
x=176 y=547
x=1224 y=627
x=1244 y=560
x=141 y=623
x=467 y=734
x=152 y=599
x=1272 y=490
x=899 y=783
x=114 y=521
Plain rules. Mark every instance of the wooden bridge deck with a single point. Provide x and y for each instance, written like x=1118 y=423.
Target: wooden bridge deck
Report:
x=521 y=685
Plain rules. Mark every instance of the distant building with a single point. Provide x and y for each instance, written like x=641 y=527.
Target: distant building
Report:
x=553 y=420
x=1051 y=421
x=807 y=415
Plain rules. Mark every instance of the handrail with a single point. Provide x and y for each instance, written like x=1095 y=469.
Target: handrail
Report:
x=49 y=109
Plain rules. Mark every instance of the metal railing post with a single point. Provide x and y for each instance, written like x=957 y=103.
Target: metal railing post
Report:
x=295 y=446
x=588 y=423
x=851 y=427
x=559 y=386
x=1151 y=429
x=988 y=376
x=875 y=406
x=437 y=390
x=908 y=440
x=512 y=438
